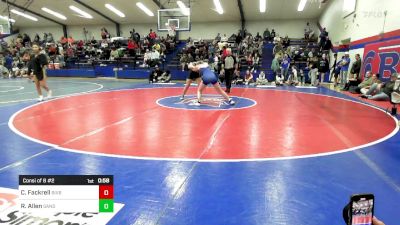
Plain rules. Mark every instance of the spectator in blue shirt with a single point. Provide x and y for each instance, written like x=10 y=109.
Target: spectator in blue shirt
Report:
x=285 y=66
x=344 y=69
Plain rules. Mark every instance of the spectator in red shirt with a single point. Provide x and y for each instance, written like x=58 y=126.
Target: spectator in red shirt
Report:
x=132 y=46
x=152 y=34
x=63 y=40
x=80 y=45
x=70 y=40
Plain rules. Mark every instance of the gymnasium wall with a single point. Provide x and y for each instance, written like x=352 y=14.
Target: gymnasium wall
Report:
x=293 y=28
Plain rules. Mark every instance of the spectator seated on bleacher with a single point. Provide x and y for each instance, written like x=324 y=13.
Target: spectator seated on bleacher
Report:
x=184 y=61
x=224 y=38
x=146 y=58
x=279 y=78
x=293 y=79
x=301 y=77
x=154 y=58
x=382 y=92
x=237 y=79
x=261 y=80
x=5 y=73
x=114 y=55
x=248 y=78
x=286 y=42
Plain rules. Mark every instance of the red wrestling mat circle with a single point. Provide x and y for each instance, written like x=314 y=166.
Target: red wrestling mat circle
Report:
x=130 y=123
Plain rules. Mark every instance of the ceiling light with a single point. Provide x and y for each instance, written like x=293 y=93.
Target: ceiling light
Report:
x=6 y=18
x=263 y=6
x=81 y=12
x=185 y=11
x=302 y=4
x=114 y=10
x=56 y=14
x=145 y=9
x=218 y=6
x=24 y=15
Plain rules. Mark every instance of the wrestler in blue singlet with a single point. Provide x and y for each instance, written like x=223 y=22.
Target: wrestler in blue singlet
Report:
x=208 y=76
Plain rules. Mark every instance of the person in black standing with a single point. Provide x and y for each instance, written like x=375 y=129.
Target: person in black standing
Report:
x=229 y=67
x=332 y=68
x=323 y=67
x=37 y=69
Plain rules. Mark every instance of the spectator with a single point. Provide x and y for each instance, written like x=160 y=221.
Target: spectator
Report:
x=275 y=65
x=8 y=61
x=323 y=67
x=313 y=73
x=332 y=68
x=184 y=61
x=154 y=58
x=285 y=66
x=249 y=60
x=132 y=46
x=248 y=78
x=26 y=40
x=70 y=52
x=365 y=83
x=165 y=77
x=114 y=55
x=5 y=73
x=104 y=33
x=279 y=79
x=237 y=79
x=277 y=49
x=374 y=80
x=44 y=38
x=261 y=80
x=256 y=61
x=50 y=38
x=308 y=32
x=337 y=70
x=301 y=77
x=382 y=92
x=70 y=40
x=257 y=37
x=135 y=36
x=37 y=38
x=273 y=34
x=224 y=38
x=356 y=67
x=154 y=75
x=292 y=79
x=286 y=42
x=63 y=40
x=238 y=39
x=172 y=32
x=323 y=35
x=152 y=35
x=344 y=69
x=267 y=35
x=327 y=46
